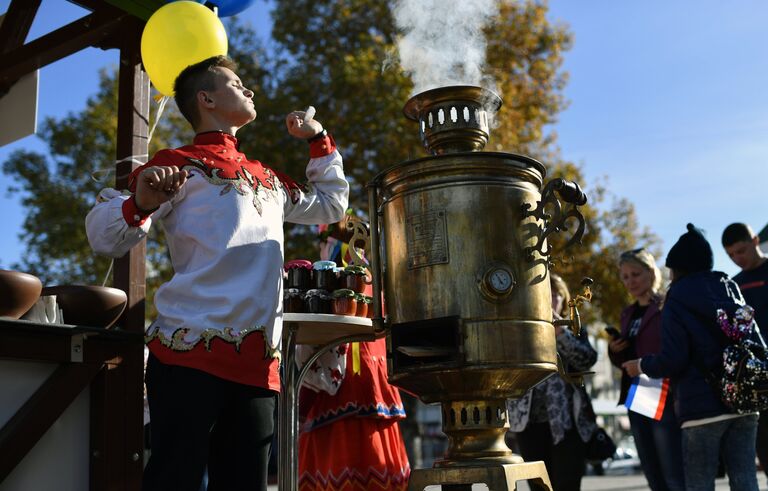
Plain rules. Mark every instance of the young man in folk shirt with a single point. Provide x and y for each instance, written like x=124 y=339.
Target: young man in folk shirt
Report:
x=212 y=373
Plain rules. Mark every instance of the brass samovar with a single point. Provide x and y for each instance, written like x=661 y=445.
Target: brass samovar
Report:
x=459 y=247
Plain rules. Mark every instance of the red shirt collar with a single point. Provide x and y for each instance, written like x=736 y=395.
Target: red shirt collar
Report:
x=216 y=138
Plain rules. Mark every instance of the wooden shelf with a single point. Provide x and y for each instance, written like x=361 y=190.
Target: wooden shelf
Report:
x=25 y=340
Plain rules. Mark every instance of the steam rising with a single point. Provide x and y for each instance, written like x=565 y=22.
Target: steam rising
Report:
x=443 y=41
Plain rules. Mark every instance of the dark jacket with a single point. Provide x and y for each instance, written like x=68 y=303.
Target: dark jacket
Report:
x=689 y=333
x=646 y=342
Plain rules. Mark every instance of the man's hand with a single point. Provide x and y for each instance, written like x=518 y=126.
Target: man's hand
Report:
x=302 y=129
x=156 y=185
x=632 y=367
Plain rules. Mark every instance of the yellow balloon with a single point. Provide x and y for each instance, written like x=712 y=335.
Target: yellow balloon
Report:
x=177 y=35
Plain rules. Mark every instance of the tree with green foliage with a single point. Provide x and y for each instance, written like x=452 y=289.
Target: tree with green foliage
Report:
x=335 y=55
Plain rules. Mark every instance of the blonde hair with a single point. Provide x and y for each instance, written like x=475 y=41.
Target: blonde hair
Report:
x=641 y=257
x=558 y=285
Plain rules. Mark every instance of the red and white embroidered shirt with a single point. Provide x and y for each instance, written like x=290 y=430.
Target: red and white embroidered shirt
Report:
x=222 y=310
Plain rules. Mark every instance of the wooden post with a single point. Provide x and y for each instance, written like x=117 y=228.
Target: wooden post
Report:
x=117 y=429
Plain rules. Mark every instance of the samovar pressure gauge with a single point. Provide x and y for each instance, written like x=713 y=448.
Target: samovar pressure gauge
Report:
x=497 y=282
x=500 y=280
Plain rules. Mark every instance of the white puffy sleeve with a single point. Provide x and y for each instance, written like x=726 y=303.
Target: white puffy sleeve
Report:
x=325 y=197
x=115 y=224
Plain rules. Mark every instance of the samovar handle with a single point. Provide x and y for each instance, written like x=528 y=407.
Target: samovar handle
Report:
x=555 y=220
x=569 y=191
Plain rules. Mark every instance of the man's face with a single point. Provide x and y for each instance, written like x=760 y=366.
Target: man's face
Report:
x=232 y=101
x=744 y=253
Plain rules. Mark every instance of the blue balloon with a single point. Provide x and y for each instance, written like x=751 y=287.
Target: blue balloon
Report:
x=231 y=7
x=226 y=7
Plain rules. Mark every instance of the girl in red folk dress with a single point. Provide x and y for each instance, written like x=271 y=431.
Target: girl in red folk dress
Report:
x=351 y=439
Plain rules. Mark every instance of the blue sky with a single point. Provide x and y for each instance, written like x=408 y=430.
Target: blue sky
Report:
x=668 y=101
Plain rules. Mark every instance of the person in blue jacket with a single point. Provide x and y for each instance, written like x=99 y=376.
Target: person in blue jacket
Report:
x=691 y=346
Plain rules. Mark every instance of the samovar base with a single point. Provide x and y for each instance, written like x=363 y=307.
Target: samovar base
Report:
x=496 y=477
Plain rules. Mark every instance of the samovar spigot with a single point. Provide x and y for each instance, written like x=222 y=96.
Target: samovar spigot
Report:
x=574 y=323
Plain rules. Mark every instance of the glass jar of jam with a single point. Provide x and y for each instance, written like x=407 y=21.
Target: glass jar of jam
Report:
x=317 y=301
x=362 y=307
x=369 y=303
x=299 y=274
x=293 y=300
x=354 y=278
x=324 y=275
x=344 y=302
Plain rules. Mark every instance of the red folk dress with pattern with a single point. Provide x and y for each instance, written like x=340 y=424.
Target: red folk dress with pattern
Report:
x=351 y=440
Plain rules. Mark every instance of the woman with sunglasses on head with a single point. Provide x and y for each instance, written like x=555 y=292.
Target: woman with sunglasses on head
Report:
x=658 y=442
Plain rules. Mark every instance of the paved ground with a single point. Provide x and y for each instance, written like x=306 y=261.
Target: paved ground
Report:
x=636 y=482
x=633 y=482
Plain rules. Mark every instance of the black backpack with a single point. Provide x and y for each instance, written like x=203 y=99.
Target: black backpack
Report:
x=741 y=381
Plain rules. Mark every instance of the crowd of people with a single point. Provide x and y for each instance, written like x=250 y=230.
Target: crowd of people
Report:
x=691 y=352
x=674 y=336
x=212 y=373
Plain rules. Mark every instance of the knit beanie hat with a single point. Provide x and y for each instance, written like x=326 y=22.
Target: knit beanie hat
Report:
x=691 y=252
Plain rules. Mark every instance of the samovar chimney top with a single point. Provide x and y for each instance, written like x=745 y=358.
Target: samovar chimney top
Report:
x=453 y=118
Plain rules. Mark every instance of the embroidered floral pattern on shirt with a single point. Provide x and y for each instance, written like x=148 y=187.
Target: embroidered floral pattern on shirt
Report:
x=241 y=180
x=178 y=343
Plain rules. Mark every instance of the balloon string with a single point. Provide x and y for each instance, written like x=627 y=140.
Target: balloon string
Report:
x=101 y=175
x=160 y=108
x=109 y=271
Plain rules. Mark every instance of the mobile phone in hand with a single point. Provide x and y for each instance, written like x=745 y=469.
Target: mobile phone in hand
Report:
x=612 y=332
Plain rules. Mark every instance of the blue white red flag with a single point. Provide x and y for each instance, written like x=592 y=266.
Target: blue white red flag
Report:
x=647 y=396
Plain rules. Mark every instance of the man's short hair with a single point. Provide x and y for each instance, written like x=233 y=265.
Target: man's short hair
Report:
x=194 y=78
x=737 y=232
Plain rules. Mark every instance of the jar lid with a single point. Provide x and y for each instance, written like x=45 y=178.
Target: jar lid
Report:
x=367 y=299
x=354 y=270
x=343 y=292
x=298 y=263
x=317 y=293
x=359 y=297
x=323 y=265
x=292 y=292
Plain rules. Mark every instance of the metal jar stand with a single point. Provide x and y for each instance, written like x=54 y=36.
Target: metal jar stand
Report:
x=323 y=331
